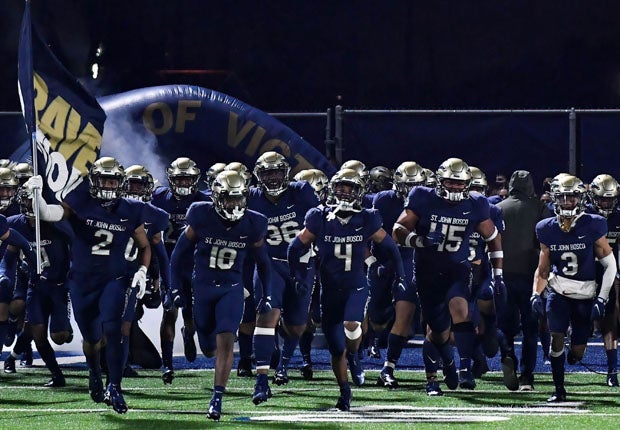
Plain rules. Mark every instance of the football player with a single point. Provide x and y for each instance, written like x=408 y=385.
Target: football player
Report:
x=603 y=193
x=570 y=242
x=340 y=230
x=219 y=235
x=384 y=304
x=438 y=223
x=47 y=303
x=139 y=185
x=183 y=175
x=103 y=224
x=284 y=203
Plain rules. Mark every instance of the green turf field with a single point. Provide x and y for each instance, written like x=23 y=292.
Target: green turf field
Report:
x=24 y=404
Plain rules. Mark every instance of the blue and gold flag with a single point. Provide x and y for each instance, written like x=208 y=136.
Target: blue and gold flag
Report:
x=66 y=118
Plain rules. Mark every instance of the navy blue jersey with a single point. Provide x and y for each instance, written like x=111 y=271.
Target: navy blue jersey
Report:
x=13 y=209
x=163 y=198
x=222 y=246
x=102 y=236
x=456 y=220
x=54 y=247
x=286 y=216
x=477 y=245
x=613 y=227
x=4 y=227
x=342 y=248
x=390 y=206
x=155 y=221
x=367 y=200
x=572 y=253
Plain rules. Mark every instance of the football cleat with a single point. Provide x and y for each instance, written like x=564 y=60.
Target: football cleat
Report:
x=189 y=345
x=451 y=377
x=357 y=372
x=215 y=409
x=558 y=396
x=95 y=386
x=612 y=380
x=433 y=389
x=387 y=379
x=374 y=352
x=26 y=358
x=509 y=373
x=281 y=377
x=57 y=381
x=167 y=375
x=306 y=371
x=9 y=364
x=244 y=367
x=526 y=383
x=114 y=397
x=466 y=379
x=129 y=372
x=344 y=401
x=480 y=366
x=262 y=393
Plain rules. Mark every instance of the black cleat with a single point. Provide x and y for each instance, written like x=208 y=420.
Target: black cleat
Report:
x=557 y=397
x=262 y=393
x=9 y=364
x=167 y=375
x=510 y=374
x=612 y=380
x=357 y=372
x=57 y=381
x=280 y=377
x=244 y=368
x=344 y=401
x=466 y=379
x=451 y=376
x=387 y=379
x=114 y=397
x=26 y=358
x=480 y=366
x=189 y=345
x=129 y=372
x=433 y=389
x=215 y=409
x=526 y=383
x=95 y=386
x=306 y=371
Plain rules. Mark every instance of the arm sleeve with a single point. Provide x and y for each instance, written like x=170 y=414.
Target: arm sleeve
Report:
x=263 y=267
x=388 y=246
x=609 y=264
x=181 y=251
x=295 y=250
x=16 y=239
x=164 y=263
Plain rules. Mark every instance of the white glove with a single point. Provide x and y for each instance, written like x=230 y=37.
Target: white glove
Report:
x=139 y=280
x=35 y=182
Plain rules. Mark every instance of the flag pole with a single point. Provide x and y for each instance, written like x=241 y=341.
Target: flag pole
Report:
x=31 y=126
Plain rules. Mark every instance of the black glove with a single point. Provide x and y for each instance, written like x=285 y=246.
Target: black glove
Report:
x=538 y=306
x=499 y=290
x=598 y=309
x=398 y=286
x=301 y=288
x=264 y=305
x=432 y=238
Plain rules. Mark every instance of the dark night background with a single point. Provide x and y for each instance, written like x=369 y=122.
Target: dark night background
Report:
x=284 y=56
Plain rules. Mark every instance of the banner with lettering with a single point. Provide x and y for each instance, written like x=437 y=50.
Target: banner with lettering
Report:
x=68 y=120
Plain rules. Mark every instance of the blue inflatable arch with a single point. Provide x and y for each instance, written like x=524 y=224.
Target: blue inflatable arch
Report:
x=153 y=126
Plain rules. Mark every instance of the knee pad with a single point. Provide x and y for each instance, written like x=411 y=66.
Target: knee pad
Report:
x=355 y=334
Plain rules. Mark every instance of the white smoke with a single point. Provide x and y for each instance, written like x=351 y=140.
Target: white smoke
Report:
x=131 y=143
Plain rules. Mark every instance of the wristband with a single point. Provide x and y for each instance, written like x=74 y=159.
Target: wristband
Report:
x=496 y=254
x=410 y=237
x=369 y=261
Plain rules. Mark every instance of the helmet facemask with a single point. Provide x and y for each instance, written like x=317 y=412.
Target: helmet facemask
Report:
x=106 y=187
x=230 y=194
x=454 y=190
x=346 y=191
x=25 y=203
x=273 y=180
